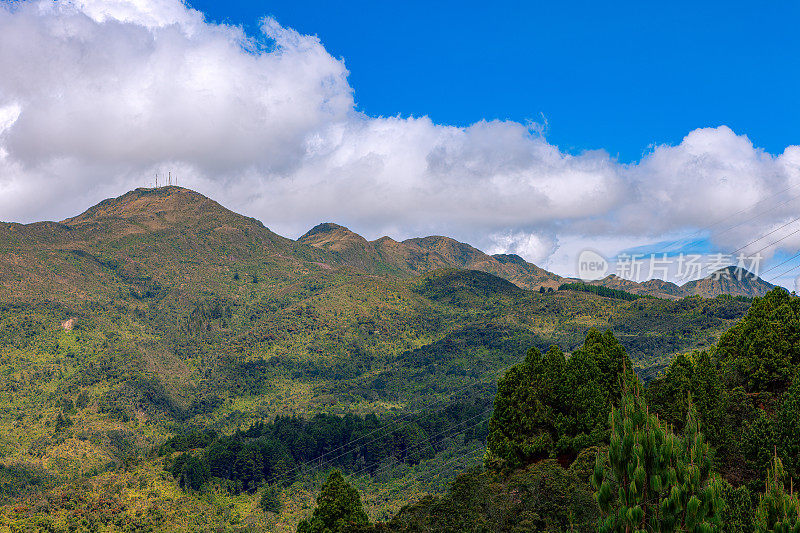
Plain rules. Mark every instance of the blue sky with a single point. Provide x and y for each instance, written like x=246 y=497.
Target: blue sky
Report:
x=620 y=76
x=518 y=127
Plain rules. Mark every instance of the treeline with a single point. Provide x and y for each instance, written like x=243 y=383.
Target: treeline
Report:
x=602 y=291
x=281 y=450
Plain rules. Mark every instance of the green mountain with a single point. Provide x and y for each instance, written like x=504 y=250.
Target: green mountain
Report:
x=421 y=255
x=729 y=280
x=161 y=311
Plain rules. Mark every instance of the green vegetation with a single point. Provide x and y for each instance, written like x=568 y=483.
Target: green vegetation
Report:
x=339 y=508
x=168 y=364
x=280 y=451
x=543 y=496
x=602 y=291
x=746 y=391
x=762 y=352
x=777 y=510
x=551 y=406
x=664 y=483
x=655 y=470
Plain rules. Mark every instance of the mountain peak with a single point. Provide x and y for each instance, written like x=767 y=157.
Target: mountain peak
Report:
x=153 y=207
x=174 y=210
x=456 y=253
x=729 y=280
x=331 y=236
x=732 y=271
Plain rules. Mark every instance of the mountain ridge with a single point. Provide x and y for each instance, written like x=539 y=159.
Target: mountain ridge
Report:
x=171 y=220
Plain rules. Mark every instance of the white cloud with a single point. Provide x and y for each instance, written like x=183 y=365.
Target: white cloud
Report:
x=147 y=13
x=534 y=247
x=96 y=96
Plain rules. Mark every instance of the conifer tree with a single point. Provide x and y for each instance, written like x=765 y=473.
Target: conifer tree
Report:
x=339 y=508
x=651 y=480
x=550 y=405
x=778 y=511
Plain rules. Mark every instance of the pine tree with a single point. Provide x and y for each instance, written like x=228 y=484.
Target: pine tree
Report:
x=778 y=512
x=339 y=508
x=663 y=483
x=550 y=405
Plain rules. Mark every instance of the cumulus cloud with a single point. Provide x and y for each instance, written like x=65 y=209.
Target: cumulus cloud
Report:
x=97 y=96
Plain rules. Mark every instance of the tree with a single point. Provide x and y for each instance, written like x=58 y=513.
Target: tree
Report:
x=696 y=374
x=550 y=405
x=339 y=508
x=194 y=473
x=738 y=509
x=663 y=483
x=787 y=428
x=762 y=350
x=777 y=511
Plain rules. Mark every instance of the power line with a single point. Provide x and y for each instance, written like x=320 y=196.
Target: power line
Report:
x=758 y=215
x=430 y=439
x=765 y=235
x=699 y=231
x=755 y=204
x=784 y=273
x=391 y=425
x=438 y=470
x=782 y=263
x=776 y=242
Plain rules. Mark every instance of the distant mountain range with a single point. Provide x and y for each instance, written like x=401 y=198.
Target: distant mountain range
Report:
x=728 y=280
x=191 y=225
x=425 y=254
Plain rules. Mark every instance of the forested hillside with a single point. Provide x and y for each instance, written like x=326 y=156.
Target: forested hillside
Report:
x=579 y=444
x=167 y=363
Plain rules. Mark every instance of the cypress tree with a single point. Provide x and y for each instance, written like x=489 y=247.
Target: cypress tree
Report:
x=553 y=406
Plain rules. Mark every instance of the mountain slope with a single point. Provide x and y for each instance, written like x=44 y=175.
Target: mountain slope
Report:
x=729 y=280
x=425 y=254
x=138 y=242
x=148 y=237
x=421 y=255
x=652 y=287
